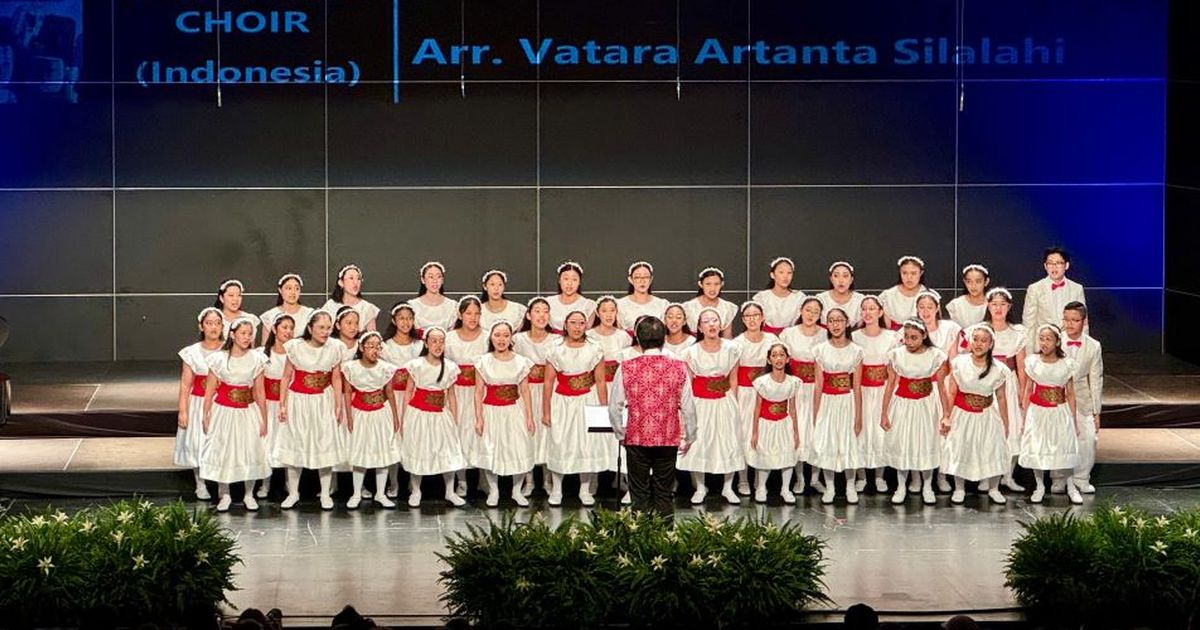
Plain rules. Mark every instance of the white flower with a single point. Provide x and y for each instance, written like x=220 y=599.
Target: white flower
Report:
x=697 y=560
x=1189 y=533
x=161 y=517
x=623 y=560
x=18 y=544
x=771 y=529
x=1139 y=522
x=118 y=536
x=1160 y=547
x=658 y=563
x=633 y=526
x=573 y=534
x=1162 y=521
x=523 y=584
x=181 y=535
x=1125 y=521
x=1118 y=511
x=87 y=527
x=202 y=557
x=145 y=505
x=714 y=559
x=124 y=517
x=139 y=562
x=672 y=536
x=737 y=537
x=761 y=543
x=60 y=517
x=589 y=548
x=38 y=521
x=45 y=565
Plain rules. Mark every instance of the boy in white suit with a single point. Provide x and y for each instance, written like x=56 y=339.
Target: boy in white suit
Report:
x=1089 y=387
x=1046 y=298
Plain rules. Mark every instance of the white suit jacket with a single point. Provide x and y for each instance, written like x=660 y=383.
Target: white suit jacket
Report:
x=1089 y=374
x=1045 y=306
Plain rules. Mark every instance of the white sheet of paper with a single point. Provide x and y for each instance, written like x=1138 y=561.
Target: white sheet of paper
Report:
x=596 y=418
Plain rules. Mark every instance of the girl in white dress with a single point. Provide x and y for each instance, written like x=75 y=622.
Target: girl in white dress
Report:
x=975 y=448
x=912 y=407
x=574 y=379
x=229 y=302
x=189 y=436
x=719 y=448
x=613 y=342
x=775 y=433
x=465 y=344
x=945 y=336
x=345 y=333
x=429 y=443
x=348 y=292
x=971 y=307
x=841 y=293
x=679 y=334
x=283 y=329
x=235 y=416
x=900 y=301
x=534 y=342
x=639 y=298
x=288 y=303
x=837 y=407
x=371 y=417
x=752 y=362
x=711 y=281
x=503 y=416
x=568 y=299
x=800 y=340
x=310 y=409
x=430 y=306
x=496 y=307
x=779 y=301
x=1010 y=340
x=1051 y=438
x=876 y=341
x=399 y=347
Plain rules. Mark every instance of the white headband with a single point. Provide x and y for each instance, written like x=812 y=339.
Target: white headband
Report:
x=342 y=312
x=675 y=304
x=720 y=323
x=230 y=283
x=976 y=267
x=1052 y=327
x=840 y=310
x=916 y=323
x=1001 y=290
x=432 y=263
x=290 y=276
x=605 y=298
x=780 y=259
x=490 y=273
x=903 y=259
x=640 y=263
x=570 y=264
x=536 y=298
x=400 y=306
x=751 y=303
x=937 y=297
x=239 y=320
x=206 y=310
x=433 y=329
x=841 y=263
x=873 y=298
x=499 y=322
x=705 y=271
x=343 y=270
x=369 y=333
x=970 y=330
x=468 y=298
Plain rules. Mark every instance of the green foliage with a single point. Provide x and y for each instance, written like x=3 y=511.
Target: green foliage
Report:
x=622 y=567
x=137 y=560
x=1119 y=567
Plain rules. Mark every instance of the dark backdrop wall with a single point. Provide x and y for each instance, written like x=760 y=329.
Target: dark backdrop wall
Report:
x=123 y=204
x=1182 y=295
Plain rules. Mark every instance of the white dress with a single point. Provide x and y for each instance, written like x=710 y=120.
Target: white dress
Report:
x=524 y=345
x=875 y=360
x=464 y=354
x=752 y=362
x=559 y=310
x=676 y=350
x=309 y=438
x=443 y=315
x=964 y=313
x=947 y=337
x=513 y=313
x=506 y=447
x=343 y=430
x=719 y=447
x=189 y=442
x=398 y=355
x=367 y=312
x=300 y=317
x=853 y=306
x=834 y=445
x=571 y=449
x=430 y=444
x=726 y=309
x=1049 y=441
x=273 y=367
x=613 y=346
x=975 y=448
x=800 y=348
x=1008 y=344
x=373 y=443
x=914 y=442
x=897 y=306
x=629 y=311
x=234 y=450
x=775 y=441
x=779 y=312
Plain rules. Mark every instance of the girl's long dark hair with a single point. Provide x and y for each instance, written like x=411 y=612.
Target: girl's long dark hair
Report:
x=308 y=328
x=527 y=325
x=787 y=366
x=491 y=346
x=270 y=343
x=441 y=362
x=391 y=330
x=228 y=345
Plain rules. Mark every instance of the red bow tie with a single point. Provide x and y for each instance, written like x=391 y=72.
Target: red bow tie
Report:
x=1077 y=344
x=1054 y=286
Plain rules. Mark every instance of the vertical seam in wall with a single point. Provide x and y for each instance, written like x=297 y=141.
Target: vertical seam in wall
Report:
x=959 y=20
x=112 y=92
x=325 y=60
x=749 y=83
x=1162 y=324
x=537 y=133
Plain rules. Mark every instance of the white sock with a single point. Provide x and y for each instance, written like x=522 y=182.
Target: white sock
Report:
x=926 y=480
x=728 y=485
x=326 y=476
x=828 y=476
x=448 y=479
x=786 y=474
x=381 y=478
x=698 y=481
x=760 y=478
x=902 y=479
x=960 y=484
x=493 y=482
x=293 y=481
x=357 y=475
x=222 y=490
x=558 y=482
x=1037 y=480
x=414 y=483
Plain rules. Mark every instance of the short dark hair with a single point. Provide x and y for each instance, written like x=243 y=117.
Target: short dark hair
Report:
x=861 y=616
x=650 y=332
x=1078 y=307
x=1055 y=249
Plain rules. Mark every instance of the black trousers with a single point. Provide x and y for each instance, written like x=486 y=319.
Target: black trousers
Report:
x=652 y=478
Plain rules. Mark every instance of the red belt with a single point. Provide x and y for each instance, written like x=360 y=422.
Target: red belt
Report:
x=367 y=401
x=537 y=373
x=774 y=330
x=1010 y=362
x=747 y=373
x=198 y=384
x=400 y=379
x=914 y=388
x=774 y=410
x=710 y=387
x=466 y=375
x=895 y=325
x=236 y=396
x=557 y=331
x=271 y=388
x=973 y=403
x=574 y=384
x=962 y=344
x=418 y=333
x=805 y=370
x=610 y=370
x=874 y=375
x=309 y=382
x=836 y=383
x=501 y=395
x=1047 y=396
x=428 y=400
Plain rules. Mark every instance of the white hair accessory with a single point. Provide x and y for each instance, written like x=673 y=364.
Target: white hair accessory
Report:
x=569 y=264
x=499 y=322
x=231 y=283
x=606 y=298
x=241 y=319
x=841 y=263
x=290 y=276
x=342 y=312
x=779 y=259
x=747 y=303
x=1051 y=327
x=709 y=309
x=206 y=310
x=977 y=267
x=912 y=259
x=916 y=323
x=640 y=263
x=1001 y=290
x=370 y=333
x=535 y=299
x=840 y=310
x=469 y=298
x=707 y=270
x=432 y=263
x=970 y=330
x=400 y=306
x=343 y=270
x=433 y=329
x=490 y=272
x=937 y=297
x=873 y=298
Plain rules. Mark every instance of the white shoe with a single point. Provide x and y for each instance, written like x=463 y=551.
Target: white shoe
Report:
x=731 y=497
x=899 y=495
x=392 y=491
x=943 y=484
x=519 y=497
x=527 y=487
x=384 y=501
x=958 y=497
x=827 y=496
x=1012 y=484
x=996 y=497
x=698 y=496
x=354 y=501
x=788 y=497
x=250 y=503
x=555 y=499
x=928 y=496
x=1037 y=496
x=852 y=494
x=881 y=485
x=326 y=503
x=493 y=498
x=744 y=489
x=984 y=485
x=860 y=484
x=1073 y=494
x=627 y=499
x=366 y=494
x=224 y=503
x=586 y=498
x=798 y=487
x=289 y=502
x=1058 y=487
x=455 y=500
x=1086 y=488
x=819 y=486
x=263 y=491
x=202 y=493
x=414 y=499
x=914 y=483
x=461 y=490
x=760 y=495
